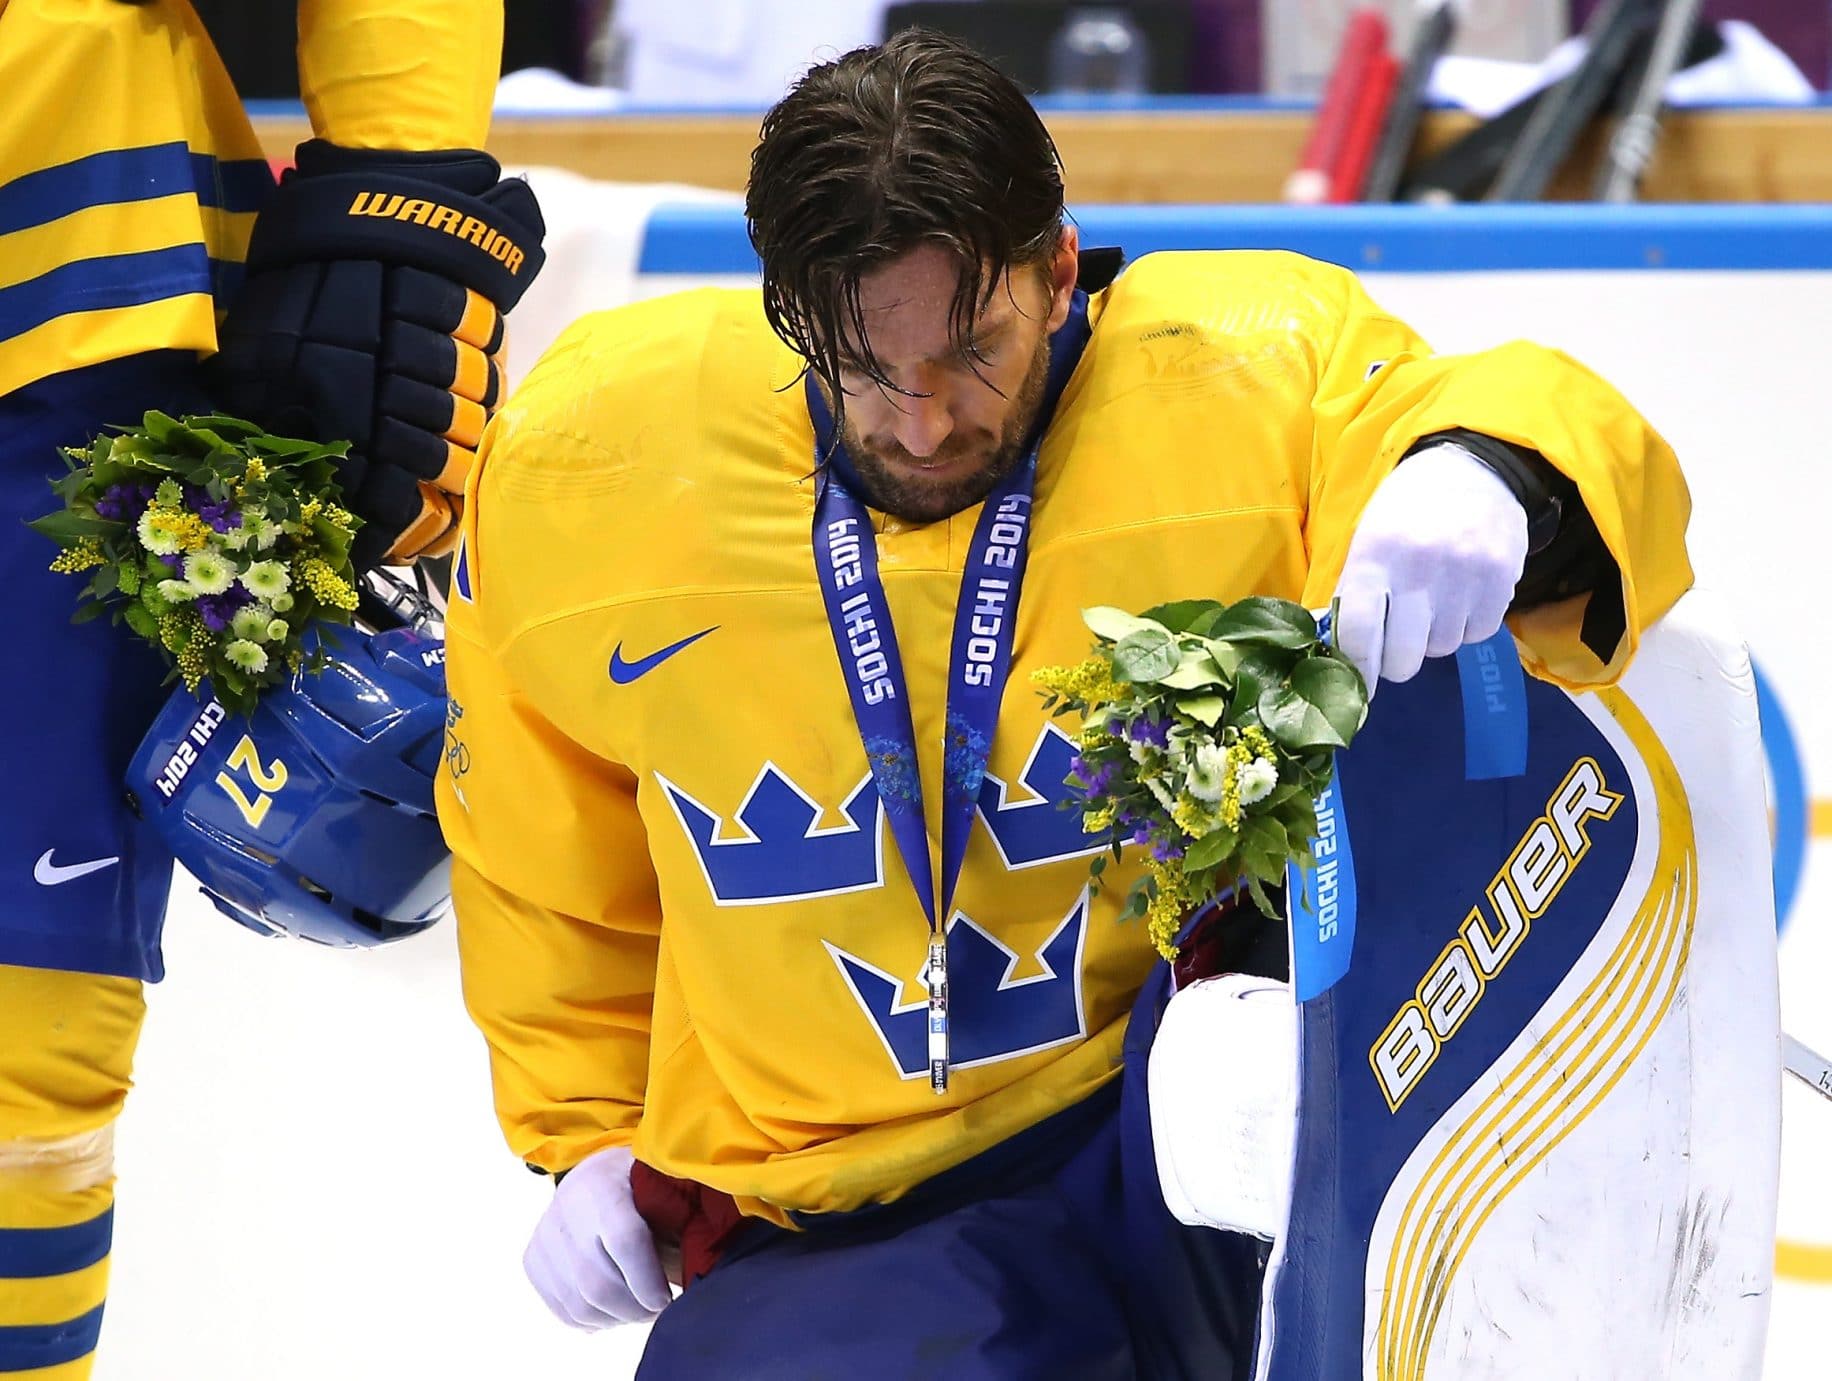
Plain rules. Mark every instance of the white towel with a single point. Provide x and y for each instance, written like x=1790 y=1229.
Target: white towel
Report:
x=1224 y=1103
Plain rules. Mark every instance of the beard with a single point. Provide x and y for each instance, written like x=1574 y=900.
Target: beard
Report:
x=895 y=483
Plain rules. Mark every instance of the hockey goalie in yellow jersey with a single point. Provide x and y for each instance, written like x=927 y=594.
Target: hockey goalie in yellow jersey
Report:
x=149 y=261
x=728 y=767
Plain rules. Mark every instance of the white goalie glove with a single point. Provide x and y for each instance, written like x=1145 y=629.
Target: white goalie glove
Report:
x=1433 y=564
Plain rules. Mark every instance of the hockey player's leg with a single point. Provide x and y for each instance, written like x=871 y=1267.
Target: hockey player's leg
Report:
x=66 y=1052
x=986 y=1273
x=83 y=883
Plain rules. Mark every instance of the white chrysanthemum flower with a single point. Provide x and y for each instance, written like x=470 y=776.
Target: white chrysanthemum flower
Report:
x=251 y=622
x=1208 y=772
x=267 y=580
x=176 y=591
x=157 y=542
x=277 y=630
x=1161 y=791
x=246 y=655
x=1140 y=751
x=207 y=573
x=1256 y=780
x=281 y=603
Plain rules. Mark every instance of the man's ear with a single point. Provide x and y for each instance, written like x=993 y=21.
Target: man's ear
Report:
x=1064 y=268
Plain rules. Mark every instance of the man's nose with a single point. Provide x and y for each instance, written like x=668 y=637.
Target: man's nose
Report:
x=924 y=420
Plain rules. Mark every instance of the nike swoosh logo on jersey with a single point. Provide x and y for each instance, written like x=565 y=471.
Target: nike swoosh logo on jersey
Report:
x=48 y=874
x=623 y=672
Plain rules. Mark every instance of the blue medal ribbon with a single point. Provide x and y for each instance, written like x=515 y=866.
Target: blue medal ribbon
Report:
x=985 y=622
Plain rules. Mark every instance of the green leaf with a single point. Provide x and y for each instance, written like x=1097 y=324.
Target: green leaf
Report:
x=284 y=446
x=106 y=578
x=1260 y=899
x=1262 y=621
x=1150 y=654
x=1212 y=849
x=1194 y=669
x=159 y=426
x=85 y=612
x=1115 y=625
x=1264 y=835
x=1334 y=686
x=1294 y=721
x=1257 y=673
x=1181 y=615
x=240 y=428
x=1204 y=709
x=66 y=527
x=1227 y=656
x=141 y=621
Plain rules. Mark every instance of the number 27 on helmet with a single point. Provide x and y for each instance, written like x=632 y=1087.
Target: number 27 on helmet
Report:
x=312 y=817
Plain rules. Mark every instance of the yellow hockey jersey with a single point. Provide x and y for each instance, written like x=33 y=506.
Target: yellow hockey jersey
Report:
x=682 y=920
x=129 y=174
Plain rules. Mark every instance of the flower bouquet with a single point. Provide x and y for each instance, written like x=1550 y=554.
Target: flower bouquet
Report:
x=1208 y=732
x=215 y=542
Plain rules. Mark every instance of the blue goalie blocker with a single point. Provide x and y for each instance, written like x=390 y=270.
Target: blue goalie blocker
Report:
x=1538 y=1104
x=313 y=817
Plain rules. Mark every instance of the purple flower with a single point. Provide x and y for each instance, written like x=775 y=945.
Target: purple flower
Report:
x=1153 y=731
x=1166 y=850
x=1141 y=835
x=217 y=610
x=124 y=502
x=219 y=514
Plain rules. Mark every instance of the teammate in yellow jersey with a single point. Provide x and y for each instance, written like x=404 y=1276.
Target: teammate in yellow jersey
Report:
x=141 y=231
x=731 y=751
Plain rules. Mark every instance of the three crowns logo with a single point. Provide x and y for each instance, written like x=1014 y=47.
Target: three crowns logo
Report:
x=778 y=852
x=1046 y=827
x=992 y=1015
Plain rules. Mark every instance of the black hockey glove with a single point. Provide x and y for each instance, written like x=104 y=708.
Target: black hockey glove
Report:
x=372 y=313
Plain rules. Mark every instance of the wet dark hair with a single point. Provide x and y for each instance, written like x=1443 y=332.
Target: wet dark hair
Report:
x=918 y=141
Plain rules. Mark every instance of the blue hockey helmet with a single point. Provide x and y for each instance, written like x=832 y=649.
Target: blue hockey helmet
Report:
x=313 y=816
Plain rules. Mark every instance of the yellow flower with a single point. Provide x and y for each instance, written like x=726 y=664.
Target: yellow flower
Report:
x=330 y=588
x=84 y=556
x=182 y=632
x=1165 y=913
x=166 y=533
x=1094 y=735
x=1089 y=681
x=1193 y=817
x=1098 y=821
x=255 y=471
